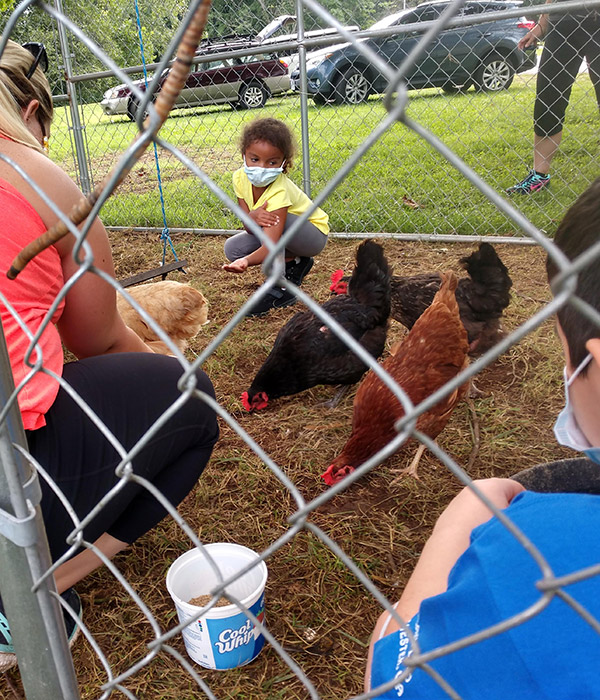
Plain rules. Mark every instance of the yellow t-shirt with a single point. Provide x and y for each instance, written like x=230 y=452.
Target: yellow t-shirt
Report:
x=281 y=193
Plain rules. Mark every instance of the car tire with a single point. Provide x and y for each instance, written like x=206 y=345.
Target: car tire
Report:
x=132 y=105
x=495 y=73
x=452 y=89
x=252 y=96
x=132 y=108
x=352 y=88
x=320 y=100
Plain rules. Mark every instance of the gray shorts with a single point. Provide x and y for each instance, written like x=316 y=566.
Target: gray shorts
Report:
x=307 y=242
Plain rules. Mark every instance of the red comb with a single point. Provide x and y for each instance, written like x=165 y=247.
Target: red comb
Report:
x=245 y=402
x=335 y=282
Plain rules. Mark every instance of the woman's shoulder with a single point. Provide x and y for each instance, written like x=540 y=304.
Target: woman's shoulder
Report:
x=49 y=177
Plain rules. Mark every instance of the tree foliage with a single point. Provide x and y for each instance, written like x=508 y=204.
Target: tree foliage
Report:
x=112 y=25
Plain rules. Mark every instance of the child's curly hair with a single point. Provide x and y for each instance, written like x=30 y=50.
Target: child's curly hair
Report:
x=274 y=132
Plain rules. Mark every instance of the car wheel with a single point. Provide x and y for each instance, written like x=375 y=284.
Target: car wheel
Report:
x=132 y=108
x=494 y=74
x=452 y=89
x=132 y=105
x=320 y=100
x=252 y=96
x=353 y=88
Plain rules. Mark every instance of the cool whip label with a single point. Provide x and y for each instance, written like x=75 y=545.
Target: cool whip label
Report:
x=231 y=639
x=227 y=642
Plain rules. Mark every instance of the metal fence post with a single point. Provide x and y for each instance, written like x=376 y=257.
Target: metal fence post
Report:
x=85 y=182
x=35 y=618
x=303 y=99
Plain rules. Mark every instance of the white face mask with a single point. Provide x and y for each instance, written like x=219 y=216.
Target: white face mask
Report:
x=261 y=177
x=566 y=429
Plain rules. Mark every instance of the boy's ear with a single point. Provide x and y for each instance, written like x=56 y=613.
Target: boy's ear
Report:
x=593 y=347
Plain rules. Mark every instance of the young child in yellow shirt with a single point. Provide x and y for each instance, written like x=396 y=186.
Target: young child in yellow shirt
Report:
x=274 y=202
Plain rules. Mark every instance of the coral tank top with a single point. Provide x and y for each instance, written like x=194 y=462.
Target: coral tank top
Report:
x=31 y=295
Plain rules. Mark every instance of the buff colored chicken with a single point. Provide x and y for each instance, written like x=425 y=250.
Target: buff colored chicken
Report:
x=178 y=308
x=433 y=353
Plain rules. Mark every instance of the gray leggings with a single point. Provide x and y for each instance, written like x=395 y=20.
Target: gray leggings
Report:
x=307 y=241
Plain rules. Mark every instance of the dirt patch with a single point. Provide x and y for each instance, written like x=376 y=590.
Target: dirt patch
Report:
x=315 y=606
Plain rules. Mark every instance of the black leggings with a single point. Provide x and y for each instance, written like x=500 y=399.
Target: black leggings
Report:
x=569 y=40
x=128 y=392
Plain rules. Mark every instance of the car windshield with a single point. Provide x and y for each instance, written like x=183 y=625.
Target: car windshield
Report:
x=390 y=20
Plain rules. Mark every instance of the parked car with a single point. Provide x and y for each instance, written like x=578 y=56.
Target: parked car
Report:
x=272 y=35
x=245 y=82
x=485 y=55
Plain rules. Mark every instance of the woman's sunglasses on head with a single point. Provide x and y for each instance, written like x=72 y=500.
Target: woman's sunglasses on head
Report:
x=40 y=57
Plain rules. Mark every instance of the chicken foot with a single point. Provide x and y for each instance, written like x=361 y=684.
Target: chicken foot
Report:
x=411 y=470
x=476 y=434
x=338 y=396
x=474 y=391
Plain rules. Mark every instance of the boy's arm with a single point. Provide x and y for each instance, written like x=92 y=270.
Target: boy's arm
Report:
x=449 y=539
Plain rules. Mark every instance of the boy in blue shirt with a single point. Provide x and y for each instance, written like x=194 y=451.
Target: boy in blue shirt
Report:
x=475 y=576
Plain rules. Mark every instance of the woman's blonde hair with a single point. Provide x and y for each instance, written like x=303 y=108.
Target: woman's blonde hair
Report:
x=17 y=91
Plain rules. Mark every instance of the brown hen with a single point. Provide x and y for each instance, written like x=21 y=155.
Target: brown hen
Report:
x=178 y=308
x=433 y=353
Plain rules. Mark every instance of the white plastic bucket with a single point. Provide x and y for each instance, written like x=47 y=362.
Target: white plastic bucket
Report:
x=223 y=637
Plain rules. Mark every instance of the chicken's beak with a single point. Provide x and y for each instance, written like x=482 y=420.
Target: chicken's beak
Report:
x=334 y=474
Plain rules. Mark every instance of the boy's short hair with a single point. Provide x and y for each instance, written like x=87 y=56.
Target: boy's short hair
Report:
x=578 y=231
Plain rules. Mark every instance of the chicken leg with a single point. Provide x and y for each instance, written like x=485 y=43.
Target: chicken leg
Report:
x=339 y=395
x=411 y=470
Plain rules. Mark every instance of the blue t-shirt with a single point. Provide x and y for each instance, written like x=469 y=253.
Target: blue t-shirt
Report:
x=553 y=654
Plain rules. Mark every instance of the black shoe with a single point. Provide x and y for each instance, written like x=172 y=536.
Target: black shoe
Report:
x=276 y=298
x=72 y=599
x=297 y=269
x=8 y=658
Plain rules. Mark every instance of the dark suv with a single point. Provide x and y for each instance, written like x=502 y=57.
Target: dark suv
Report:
x=244 y=82
x=485 y=55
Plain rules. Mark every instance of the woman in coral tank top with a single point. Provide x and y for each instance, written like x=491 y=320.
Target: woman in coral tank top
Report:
x=125 y=385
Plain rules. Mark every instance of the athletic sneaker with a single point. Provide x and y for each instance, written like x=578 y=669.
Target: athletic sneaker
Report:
x=532 y=183
x=8 y=658
x=297 y=269
x=276 y=298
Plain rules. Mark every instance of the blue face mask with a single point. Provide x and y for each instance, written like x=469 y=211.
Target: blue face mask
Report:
x=566 y=429
x=261 y=177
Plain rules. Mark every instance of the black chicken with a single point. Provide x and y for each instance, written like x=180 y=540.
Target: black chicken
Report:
x=307 y=352
x=482 y=296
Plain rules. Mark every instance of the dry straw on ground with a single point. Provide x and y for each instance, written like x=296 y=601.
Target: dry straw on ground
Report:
x=315 y=607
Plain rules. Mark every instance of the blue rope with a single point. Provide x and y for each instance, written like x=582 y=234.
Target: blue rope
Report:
x=165 y=235
x=166 y=238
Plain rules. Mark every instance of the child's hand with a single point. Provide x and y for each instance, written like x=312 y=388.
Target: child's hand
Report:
x=264 y=218
x=239 y=265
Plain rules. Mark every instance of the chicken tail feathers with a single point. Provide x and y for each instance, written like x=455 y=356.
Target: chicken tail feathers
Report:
x=370 y=281
x=446 y=294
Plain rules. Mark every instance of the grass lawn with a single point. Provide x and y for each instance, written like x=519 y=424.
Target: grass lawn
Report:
x=491 y=133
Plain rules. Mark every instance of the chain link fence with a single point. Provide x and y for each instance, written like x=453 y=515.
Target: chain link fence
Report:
x=481 y=105
x=401 y=157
